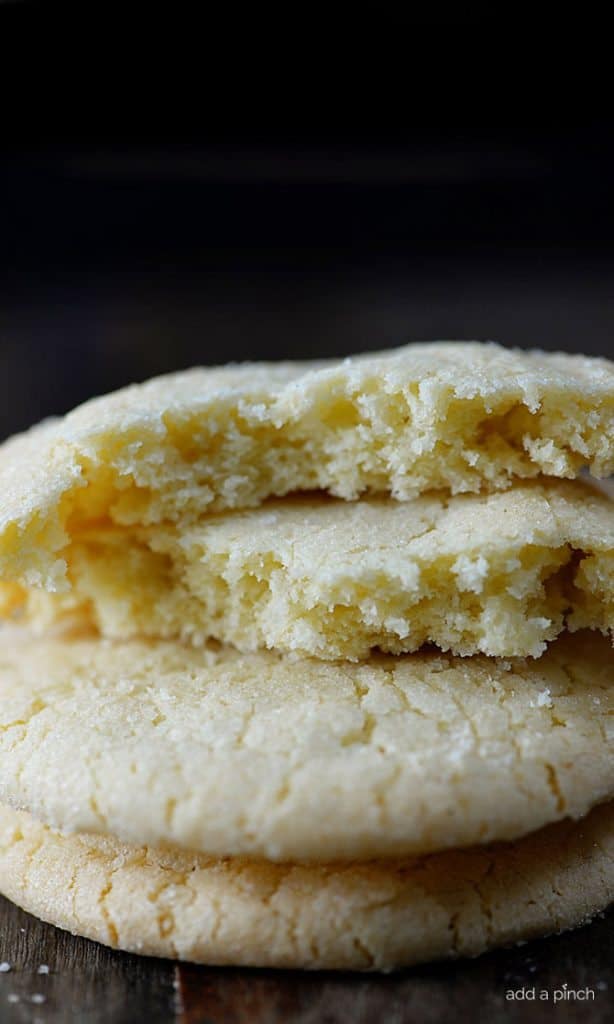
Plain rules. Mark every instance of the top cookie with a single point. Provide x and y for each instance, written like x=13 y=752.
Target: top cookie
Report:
x=457 y=416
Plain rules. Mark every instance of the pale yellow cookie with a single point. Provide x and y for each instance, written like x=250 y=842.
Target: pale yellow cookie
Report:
x=499 y=573
x=257 y=755
x=371 y=916
x=457 y=416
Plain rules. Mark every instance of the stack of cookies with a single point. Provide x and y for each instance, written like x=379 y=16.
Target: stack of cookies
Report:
x=310 y=664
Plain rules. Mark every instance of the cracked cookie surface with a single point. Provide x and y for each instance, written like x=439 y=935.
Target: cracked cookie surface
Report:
x=261 y=755
x=457 y=416
x=369 y=916
x=500 y=574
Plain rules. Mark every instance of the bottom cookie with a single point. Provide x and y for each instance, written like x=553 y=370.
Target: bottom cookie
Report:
x=370 y=916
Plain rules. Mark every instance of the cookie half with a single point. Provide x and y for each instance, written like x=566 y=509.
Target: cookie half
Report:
x=260 y=755
x=499 y=574
x=456 y=416
x=371 y=916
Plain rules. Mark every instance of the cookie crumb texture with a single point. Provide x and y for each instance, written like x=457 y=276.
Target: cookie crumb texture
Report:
x=259 y=755
x=370 y=916
x=457 y=416
x=499 y=574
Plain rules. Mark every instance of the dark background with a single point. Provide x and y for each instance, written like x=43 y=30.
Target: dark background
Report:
x=194 y=193
x=173 y=223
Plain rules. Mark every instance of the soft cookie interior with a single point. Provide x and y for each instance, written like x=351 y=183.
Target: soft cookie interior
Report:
x=501 y=574
x=463 y=417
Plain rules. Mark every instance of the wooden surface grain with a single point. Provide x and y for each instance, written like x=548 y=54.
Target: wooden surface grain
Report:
x=89 y=984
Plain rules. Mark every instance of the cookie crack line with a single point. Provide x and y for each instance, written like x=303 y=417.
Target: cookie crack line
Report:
x=102 y=902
